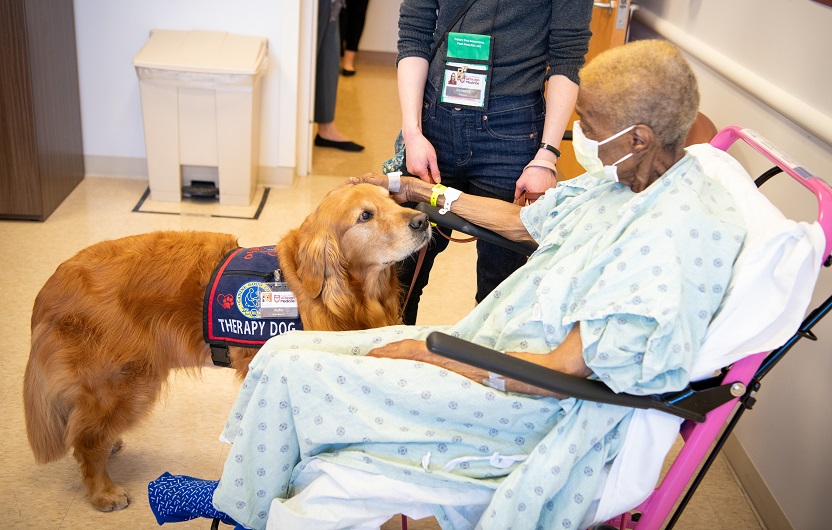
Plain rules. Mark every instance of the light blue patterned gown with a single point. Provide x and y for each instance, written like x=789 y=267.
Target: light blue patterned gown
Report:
x=642 y=273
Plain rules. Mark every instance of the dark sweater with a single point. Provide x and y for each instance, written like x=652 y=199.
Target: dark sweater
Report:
x=527 y=36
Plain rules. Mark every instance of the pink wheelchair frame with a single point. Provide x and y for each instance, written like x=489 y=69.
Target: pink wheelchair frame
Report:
x=709 y=414
x=749 y=371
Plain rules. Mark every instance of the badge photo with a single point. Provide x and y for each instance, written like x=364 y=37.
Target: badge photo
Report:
x=467 y=78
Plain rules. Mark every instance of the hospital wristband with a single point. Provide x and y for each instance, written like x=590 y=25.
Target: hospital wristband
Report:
x=394 y=181
x=451 y=194
x=435 y=192
x=542 y=163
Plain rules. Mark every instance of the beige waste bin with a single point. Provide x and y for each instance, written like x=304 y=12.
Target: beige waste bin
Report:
x=200 y=93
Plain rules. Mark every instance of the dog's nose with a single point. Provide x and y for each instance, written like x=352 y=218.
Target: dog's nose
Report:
x=419 y=221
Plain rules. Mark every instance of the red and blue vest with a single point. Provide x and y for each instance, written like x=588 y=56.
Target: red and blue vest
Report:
x=231 y=309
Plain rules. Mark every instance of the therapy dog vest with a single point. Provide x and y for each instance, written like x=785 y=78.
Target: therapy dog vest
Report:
x=231 y=307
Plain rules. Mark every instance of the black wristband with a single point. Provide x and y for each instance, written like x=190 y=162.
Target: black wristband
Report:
x=550 y=148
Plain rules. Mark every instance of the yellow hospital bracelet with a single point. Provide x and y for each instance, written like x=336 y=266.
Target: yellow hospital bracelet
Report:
x=435 y=192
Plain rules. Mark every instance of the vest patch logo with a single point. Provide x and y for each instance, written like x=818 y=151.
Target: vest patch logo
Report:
x=248 y=297
x=225 y=300
x=233 y=311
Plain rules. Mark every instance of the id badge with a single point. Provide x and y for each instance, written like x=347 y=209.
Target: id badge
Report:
x=278 y=301
x=467 y=74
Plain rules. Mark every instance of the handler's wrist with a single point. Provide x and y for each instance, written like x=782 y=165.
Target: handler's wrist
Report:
x=543 y=154
x=537 y=162
x=410 y=131
x=549 y=148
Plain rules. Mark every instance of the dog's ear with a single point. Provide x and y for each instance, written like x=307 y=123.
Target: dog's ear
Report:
x=310 y=256
x=337 y=295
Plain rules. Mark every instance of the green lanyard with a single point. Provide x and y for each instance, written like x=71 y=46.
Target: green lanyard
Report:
x=466 y=78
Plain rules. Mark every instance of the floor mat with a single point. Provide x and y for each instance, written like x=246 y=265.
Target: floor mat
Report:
x=204 y=207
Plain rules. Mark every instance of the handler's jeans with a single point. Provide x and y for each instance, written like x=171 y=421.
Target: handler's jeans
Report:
x=481 y=153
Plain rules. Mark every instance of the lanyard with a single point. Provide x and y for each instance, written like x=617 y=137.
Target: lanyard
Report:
x=466 y=78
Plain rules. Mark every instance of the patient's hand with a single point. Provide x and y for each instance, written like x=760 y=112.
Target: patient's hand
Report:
x=566 y=358
x=417 y=350
x=411 y=189
x=375 y=179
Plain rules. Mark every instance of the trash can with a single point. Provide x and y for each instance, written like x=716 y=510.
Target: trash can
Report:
x=200 y=93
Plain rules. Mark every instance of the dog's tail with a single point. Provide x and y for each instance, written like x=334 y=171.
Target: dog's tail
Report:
x=45 y=410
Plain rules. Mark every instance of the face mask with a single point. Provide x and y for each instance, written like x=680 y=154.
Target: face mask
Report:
x=586 y=153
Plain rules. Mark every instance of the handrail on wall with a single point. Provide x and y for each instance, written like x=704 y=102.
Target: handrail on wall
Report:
x=772 y=95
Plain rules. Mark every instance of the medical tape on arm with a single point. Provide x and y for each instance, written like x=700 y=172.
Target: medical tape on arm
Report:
x=394 y=181
x=495 y=381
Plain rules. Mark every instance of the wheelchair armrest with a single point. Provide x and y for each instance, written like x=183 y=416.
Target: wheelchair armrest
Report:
x=559 y=382
x=455 y=222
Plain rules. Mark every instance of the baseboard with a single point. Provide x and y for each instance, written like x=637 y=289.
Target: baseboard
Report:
x=130 y=167
x=115 y=166
x=752 y=482
x=378 y=58
x=280 y=176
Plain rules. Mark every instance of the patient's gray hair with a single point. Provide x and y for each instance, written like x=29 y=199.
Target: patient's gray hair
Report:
x=647 y=82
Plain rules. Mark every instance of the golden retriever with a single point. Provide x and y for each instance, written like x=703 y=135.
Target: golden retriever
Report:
x=113 y=320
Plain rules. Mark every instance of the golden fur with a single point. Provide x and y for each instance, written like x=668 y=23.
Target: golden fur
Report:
x=113 y=320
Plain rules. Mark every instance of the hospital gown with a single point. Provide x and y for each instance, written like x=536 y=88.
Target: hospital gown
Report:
x=642 y=274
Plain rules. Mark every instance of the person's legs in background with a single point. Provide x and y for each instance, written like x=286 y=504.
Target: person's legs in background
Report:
x=352 y=26
x=326 y=79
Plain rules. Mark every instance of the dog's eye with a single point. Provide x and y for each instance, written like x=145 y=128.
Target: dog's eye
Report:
x=365 y=216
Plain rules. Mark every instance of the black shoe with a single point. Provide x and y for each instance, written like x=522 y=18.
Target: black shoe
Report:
x=352 y=147
x=347 y=73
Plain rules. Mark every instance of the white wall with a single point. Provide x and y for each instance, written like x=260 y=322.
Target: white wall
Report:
x=381 y=29
x=110 y=33
x=787 y=43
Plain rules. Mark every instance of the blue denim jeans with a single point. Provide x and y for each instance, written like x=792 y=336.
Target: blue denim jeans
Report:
x=481 y=153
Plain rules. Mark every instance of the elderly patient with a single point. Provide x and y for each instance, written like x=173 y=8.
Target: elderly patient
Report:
x=633 y=260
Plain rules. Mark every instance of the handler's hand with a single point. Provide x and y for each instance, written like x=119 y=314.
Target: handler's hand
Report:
x=535 y=180
x=417 y=350
x=421 y=159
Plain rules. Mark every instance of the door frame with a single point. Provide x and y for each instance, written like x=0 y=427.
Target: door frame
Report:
x=308 y=36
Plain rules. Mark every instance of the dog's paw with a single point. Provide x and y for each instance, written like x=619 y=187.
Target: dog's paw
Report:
x=117 y=447
x=111 y=500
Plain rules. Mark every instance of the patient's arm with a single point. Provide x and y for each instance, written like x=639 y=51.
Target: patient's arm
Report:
x=495 y=215
x=565 y=358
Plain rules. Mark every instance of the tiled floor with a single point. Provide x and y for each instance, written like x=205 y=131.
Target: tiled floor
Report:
x=181 y=436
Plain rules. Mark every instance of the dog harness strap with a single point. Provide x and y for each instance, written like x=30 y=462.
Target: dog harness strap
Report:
x=219 y=355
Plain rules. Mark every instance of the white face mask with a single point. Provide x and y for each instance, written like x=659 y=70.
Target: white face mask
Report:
x=586 y=153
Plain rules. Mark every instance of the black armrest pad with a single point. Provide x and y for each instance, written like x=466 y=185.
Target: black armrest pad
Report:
x=541 y=377
x=455 y=222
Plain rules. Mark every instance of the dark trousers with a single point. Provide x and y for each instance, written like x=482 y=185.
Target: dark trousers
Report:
x=481 y=153
x=327 y=64
x=352 y=23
